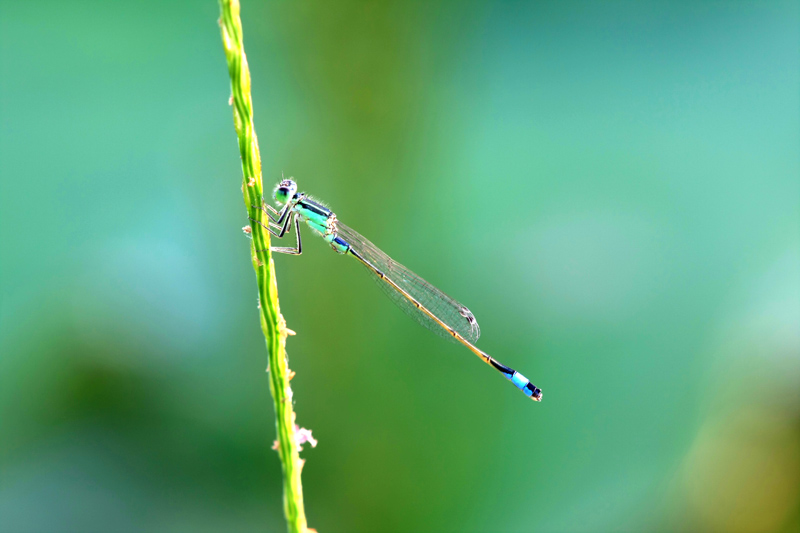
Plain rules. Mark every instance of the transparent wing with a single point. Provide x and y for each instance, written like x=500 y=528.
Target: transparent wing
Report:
x=438 y=303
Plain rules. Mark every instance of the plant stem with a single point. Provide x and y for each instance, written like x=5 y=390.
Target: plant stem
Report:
x=272 y=323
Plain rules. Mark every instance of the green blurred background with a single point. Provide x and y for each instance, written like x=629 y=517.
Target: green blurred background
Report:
x=612 y=188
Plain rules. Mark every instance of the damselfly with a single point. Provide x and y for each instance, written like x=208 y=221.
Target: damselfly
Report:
x=419 y=299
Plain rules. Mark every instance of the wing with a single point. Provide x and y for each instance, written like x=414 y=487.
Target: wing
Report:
x=445 y=308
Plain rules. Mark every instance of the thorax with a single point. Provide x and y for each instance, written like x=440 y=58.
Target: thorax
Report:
x=317 y=216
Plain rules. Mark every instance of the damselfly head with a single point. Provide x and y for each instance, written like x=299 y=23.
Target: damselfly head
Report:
x=285 y=191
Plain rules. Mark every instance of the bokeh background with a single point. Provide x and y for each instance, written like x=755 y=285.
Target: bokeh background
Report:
x=612 y=188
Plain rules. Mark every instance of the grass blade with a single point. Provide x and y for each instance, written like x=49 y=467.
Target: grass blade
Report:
x=272 y=322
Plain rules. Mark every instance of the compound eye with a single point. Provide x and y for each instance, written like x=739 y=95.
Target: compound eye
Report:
x=281 y=194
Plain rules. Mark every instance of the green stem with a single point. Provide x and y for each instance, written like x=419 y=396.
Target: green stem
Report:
x=272 y=322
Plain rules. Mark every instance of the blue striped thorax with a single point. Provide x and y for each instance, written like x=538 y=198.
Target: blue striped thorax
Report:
x=317 y=216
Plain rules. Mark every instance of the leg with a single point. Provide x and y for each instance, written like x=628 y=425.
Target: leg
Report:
x=278 y=215
x=268 y=228
x=269 y=210
x=271 y=225
x=281 y=231
x=292 y=251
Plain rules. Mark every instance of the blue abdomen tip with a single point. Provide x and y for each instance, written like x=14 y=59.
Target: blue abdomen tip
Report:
x=519 y=381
